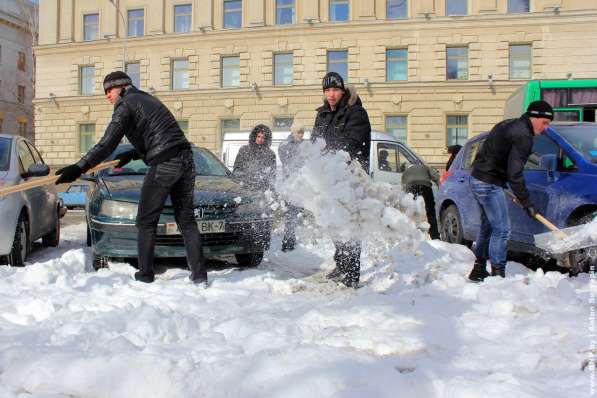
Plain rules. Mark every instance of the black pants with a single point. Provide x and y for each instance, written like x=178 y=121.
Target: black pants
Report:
x=348 y=260
x=427 y=193
x=174 y=177
x=291 y=218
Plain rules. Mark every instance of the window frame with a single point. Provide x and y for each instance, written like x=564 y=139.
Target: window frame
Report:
x=232 y=11
x=81 y=79
x=22 y=61
x=85 y=25
x=21 y=93
x=87 y=134
x=275 y=64
x=453 y=126
x=222 y=69
x=388 y=5
x=283 y=7
x=396 y=60
x=128 y=22
x=512 y=3
x=530 y=61
x=457 y=58
x=466 y=6
x=173 y=71
x=388 y=117
x=336 y=3
x=328 y=63
x=189 y=15
x=131 y=74
x=277 y=118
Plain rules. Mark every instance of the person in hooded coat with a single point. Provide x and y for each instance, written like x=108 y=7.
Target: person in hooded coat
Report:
x=255 y=164
x=343 y=124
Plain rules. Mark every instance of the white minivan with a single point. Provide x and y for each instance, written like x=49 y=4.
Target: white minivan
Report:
x=398 y=156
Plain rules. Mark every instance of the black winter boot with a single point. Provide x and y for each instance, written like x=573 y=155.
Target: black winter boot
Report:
x=498 y=271
x=479 y=272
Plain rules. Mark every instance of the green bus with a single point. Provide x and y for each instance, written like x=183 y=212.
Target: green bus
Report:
x=572 y=100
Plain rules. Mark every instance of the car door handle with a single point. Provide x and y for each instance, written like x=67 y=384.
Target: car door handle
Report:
x=461 y=179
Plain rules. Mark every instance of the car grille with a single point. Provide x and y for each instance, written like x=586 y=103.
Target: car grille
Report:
x=222 y=239
x=209 y=212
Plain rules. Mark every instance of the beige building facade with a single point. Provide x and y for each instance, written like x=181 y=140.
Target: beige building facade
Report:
x=431 y=71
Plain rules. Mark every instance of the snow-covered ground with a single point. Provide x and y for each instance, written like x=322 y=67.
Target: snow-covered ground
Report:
x=416 y=328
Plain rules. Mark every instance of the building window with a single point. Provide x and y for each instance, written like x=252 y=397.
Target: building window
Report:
x=396 y=64
x=21 y=61
x=457 y=127
x=86 y=137
x=396 y=125
x=227 y=125
x=22 y=128
x=87 y=80
x=180 y=74
x=283 y=69
x=520 y=60
x=233 y=14
x=182 y=18
x=339 y=10
x=396 y=9
x=184 y=126
x=21 y=94
x=515 y=6
x=133 y=69
x=456 y=7
x=90 y=27
x=338 y=62
x=285 y=12
x=136 y=23
x=230 y=71
x=457 y=63
x=283 y=123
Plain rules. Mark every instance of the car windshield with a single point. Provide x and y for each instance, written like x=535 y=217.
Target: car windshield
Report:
x=582 y=137
x=206 y=164
x=4 y=153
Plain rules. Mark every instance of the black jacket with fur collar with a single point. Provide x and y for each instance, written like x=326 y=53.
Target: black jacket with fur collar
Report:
x=345 y=128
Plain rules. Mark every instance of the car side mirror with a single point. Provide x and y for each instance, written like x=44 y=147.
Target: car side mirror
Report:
x=549 y=162
x=37 y=170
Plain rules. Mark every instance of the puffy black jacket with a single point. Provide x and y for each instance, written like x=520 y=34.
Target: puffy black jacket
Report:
x=346 y=128
x=255 y=165
x=289 y=153
x=502 y=156
x=147 y=124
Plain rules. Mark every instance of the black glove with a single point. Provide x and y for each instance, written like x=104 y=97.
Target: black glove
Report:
x=125 y=157
x=68 y=174
x=531 y=211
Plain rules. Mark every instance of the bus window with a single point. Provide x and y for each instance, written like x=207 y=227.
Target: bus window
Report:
x=566 y=115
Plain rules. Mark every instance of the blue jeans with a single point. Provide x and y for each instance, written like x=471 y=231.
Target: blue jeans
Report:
x=492 y=239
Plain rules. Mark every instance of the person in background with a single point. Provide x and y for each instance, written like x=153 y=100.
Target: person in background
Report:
x=344 y=125
x=453 y=151
x=500 y=161
x=289 y=153
x=255 y=164
x=382 y=162
x=157 y=139
x=417 y=179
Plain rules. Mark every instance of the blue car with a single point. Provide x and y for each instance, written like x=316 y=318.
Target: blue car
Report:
x=561 y=176
x=75 y=196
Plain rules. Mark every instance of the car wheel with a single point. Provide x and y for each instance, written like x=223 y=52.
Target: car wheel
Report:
x=451 y=229
x=99 y=262
x=582 y=260
x=53 y=238
x=249 y=260
x=20 y=245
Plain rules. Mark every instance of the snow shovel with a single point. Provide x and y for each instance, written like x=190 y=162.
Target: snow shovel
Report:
x=50 y=179
x=559 y=241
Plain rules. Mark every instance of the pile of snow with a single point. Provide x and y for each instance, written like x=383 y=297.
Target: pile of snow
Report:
x=569 y=239
x=417 y=329
x=348 y=206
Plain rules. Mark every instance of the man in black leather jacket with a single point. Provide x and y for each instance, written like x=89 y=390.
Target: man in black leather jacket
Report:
x=344 y=125
x=500 y=161
x=159 y=141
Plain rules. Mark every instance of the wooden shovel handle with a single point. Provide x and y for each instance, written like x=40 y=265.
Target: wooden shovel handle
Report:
x=50 y=179
x=538 y=216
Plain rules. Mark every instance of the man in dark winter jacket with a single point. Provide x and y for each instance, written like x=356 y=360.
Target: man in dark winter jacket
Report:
x=255 y=164
x=344 y=125
x=159 y=141
x=289 y=153
x=417 y=180
x=500 y=161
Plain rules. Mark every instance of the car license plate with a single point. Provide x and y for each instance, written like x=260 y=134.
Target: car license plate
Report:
x=205 y=227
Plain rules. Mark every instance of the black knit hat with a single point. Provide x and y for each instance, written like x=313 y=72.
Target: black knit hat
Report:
x=332 y=79
x=540 y=109
x=116 y=79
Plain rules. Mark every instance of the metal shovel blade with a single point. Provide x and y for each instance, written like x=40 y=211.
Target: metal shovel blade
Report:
x=565 y=240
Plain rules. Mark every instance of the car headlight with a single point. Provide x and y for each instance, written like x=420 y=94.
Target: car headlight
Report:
x=113 y=208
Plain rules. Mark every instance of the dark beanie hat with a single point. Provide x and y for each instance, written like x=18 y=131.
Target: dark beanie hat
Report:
x=332 y=79
x=540 y=109
x=116 y=79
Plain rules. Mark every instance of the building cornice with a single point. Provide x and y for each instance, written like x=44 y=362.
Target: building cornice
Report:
x=323 y=28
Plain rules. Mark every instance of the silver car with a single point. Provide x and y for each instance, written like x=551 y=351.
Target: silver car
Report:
x=27 y=215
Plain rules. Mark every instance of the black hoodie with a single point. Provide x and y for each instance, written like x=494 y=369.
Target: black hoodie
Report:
x=255 y=165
